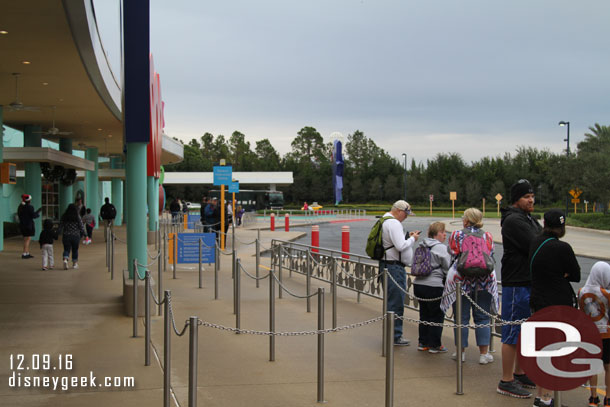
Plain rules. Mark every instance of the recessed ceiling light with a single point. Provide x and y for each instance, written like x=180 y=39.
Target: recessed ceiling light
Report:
x=99 y=129
x=45 y=83
x=3 y=32
x=61 y=100
x=110 y=136
x=26 y=62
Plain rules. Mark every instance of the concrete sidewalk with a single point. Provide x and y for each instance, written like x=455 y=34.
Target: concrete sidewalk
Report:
x=80 y=312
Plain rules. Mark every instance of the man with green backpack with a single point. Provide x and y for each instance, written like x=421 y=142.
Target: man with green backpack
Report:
x=388 y=244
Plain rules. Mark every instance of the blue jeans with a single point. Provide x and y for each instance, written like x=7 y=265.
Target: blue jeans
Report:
x=483 y=299
x=396 y=297
x=71 y=243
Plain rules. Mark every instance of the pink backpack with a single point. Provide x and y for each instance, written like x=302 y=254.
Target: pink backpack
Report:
x=475 y=259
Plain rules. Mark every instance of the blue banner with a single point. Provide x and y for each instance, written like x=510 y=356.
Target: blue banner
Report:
x=223 y=174
x=188 y=247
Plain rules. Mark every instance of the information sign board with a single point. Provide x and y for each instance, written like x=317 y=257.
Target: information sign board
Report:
x=234 y=187
x=223 y=174
x=188 y=247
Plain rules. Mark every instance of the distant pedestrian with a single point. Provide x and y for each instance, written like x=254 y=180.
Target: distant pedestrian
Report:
x=483 y=289
x=89 y=222
x=398 y=254
x=239 y=215
x=46 y=238
x=108 y=214
x=175 y=208
x=553 y=266
x=594 y=300
x=72 y=229
x=27 y=214
x=431 y=287
x=519 y=229
x=204 y=202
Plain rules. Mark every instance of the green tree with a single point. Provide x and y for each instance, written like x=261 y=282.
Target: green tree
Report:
x=308 y=145
x=593 y=162
x=267 y=157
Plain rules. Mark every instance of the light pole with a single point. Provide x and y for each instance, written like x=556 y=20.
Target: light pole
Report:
x=404 y=156
x=567 y=140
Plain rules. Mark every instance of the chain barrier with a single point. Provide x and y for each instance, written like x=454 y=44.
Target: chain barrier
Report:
x=244 y=243
x=120 y=240
x=153 y=257
x=473 y=326
x=288 y=291
x=149 y=265
x=417 y=298
x=154 y=297
x=250 y=275
x=477 y=306
x=171 y=316
x=297 y=333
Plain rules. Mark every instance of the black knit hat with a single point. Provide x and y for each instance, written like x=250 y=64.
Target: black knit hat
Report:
x=520 y=188
x=554 y=218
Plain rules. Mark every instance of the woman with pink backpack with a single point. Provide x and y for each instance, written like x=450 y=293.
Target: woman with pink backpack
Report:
x=473 y=265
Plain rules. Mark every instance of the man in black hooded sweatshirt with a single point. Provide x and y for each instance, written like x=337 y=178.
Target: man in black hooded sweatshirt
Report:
x=518 y=231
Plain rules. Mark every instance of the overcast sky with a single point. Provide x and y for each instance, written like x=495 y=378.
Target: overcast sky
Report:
x=476 y=77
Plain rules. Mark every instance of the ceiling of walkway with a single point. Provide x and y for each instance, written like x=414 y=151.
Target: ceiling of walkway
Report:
x=38 y=32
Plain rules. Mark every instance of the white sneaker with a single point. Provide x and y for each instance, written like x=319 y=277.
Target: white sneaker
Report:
x=485 y=358
x=65 y=264
x=75 y=265
x=454 y=356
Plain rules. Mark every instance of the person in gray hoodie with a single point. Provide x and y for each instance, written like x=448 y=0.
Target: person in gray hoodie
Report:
x=431 y=287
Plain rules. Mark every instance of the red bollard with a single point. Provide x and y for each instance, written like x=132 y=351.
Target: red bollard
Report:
x=287 y=223
x=272 y=217
x=315 y=237
x=345 y=241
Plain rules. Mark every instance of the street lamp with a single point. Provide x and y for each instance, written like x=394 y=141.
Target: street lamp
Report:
x=567 y=140
x=404 y=156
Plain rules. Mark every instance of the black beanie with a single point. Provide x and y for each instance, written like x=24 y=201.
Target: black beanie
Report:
x=555 y=218
x=520 y=188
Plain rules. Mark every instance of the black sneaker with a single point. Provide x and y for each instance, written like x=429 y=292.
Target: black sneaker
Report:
x=524 y=381
x=593 y=401
x=540 y=403
x=513 y=389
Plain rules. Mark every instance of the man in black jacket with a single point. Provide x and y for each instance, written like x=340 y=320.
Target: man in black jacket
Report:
x=518 y=231
x=107 y=213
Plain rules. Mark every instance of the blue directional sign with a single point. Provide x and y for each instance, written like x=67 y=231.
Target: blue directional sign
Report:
x=188 y=247
x=234 y=187
x=193 y=220
x=223 y=174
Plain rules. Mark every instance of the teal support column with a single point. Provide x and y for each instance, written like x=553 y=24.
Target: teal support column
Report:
x=135 y=176
x=125 y=214
x=117 y=191
x=3 y=205
x=33 y=180
x=92 y=195
x=153 y=202
x=66 y=192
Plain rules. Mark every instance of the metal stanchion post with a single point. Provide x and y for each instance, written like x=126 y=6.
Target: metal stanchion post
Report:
x=271 y=316
x=458 y=337
x=135 y=298
x=233 y=235
x=308 y=279
x=200 y=268
x=334 y=288
x=233 y=257
x=112 y=255
x=235 y=286
x=193 y=345
x=147 y=317
x=216 y=268
x=320 y=345
x=165 y=250
x=258 y=254
x=175 y=253
x=557 y=397
x=385 y=309
x=389 y=360
x=159 y=282
x=279 y=271
x=107 y=249
x=238 y=295
x=167 y=351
